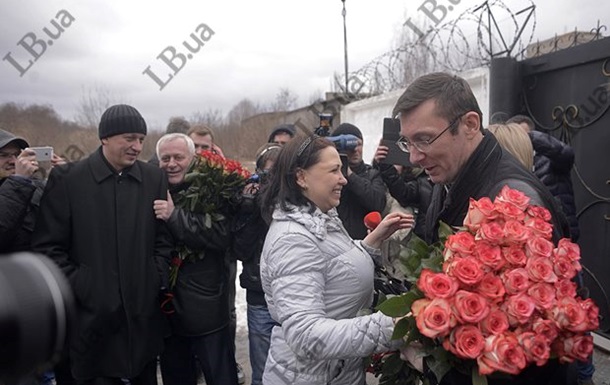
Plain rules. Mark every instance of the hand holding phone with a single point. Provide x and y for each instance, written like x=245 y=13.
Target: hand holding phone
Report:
x=43 y=153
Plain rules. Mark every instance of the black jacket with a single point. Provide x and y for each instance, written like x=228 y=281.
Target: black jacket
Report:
x=249 y=231
x=410 y=191
x=100 y=228
x=19 y=202
x=553 y=162
x=201 y=299
x=487 y=170
x=364 y=192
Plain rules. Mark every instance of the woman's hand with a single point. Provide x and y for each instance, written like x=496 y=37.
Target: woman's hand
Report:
x=390 y=224
x=413 y=353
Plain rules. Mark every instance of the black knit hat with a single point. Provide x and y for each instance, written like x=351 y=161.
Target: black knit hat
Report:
x=347 y=128
x=287 y=128
x=121 y=119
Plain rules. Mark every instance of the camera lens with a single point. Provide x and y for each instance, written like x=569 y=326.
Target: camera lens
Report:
x=36 y=305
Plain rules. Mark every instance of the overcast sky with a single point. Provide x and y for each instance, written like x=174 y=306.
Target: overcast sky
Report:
x=256 y=47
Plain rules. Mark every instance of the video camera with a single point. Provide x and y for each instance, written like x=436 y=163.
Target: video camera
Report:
x=343 y=143
x=36 y=310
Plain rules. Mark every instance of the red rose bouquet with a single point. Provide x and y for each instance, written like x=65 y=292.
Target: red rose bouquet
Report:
x=495 y=296
x=214 y=190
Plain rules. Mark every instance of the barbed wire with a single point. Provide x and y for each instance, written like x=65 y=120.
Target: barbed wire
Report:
x=471 y=40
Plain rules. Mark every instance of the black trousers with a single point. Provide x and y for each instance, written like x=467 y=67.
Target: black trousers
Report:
x=215 y=355
x=148 y=376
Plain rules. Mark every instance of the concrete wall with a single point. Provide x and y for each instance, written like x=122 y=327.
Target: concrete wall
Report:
x=368 y=114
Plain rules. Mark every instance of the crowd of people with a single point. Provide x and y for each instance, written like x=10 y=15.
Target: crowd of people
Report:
x=111 y=224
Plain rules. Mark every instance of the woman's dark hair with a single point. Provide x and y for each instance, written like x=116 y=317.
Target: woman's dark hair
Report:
x=282 y=188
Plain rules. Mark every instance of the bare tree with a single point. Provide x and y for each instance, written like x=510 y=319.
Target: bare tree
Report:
x=212 y=118
x=285 y=100
x=94 y=101
x=243 y=110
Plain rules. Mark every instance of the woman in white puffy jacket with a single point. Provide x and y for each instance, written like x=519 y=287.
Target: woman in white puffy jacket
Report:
x=315 y=277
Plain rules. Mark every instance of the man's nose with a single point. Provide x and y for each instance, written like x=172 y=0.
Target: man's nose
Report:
x=415 y=156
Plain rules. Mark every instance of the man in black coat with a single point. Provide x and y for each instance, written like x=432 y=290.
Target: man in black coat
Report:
x=364 y=191
x=441 y=131
x=200 y=318
x=96 y=221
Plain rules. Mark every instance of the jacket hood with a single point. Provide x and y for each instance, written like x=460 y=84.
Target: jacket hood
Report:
x=317 y=222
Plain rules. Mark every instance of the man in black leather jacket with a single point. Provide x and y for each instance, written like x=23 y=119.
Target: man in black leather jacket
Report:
x=442 y=132
x=200 y=321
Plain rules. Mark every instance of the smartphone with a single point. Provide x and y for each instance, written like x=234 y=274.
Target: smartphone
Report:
x=391 y=133
x=43 y=153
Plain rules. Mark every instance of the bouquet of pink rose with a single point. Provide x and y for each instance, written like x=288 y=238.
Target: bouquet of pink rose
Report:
x=496 y=296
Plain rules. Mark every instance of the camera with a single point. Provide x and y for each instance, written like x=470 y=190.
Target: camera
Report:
x=36 y=309
x=342 y=142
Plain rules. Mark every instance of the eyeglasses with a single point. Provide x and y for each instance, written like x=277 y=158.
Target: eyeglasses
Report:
x=423 y=145
x=6 y=155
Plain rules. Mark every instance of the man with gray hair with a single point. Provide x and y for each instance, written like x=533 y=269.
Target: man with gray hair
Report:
x=200 y=317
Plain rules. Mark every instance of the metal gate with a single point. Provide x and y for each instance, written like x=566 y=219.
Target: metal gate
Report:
x=567 y=93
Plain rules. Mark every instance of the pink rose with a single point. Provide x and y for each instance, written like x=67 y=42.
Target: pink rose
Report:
x=565 y=288
x=577 y=347
x=479 y=212
x=470 y=307
x=434 y=318
x=502 y=353
x=492 y=232
x=514 y=255
x=515 y=232
x=537 y=347
x=509 y=211
x=496 y=322
x=538 y=247
x=541 y=269
x=539 y=227
x=437 y=285
x=538 y=212
x=569 y=315
x=543 y=295
x=492 y=288
x=514 y=197
x=515 y=281
x=592 y=312
x=465 y=341
x=460 y=244
x=490 y=255
x=567 y=248
x=545 y=327
x=468 y=270
x=564 y=268
x=519 y=308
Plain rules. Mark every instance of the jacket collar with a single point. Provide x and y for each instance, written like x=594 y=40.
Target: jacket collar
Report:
x=317 y=222
x=101 y=169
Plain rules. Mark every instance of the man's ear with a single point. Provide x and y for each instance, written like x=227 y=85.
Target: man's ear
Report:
x=472 y=122
x=104 y=141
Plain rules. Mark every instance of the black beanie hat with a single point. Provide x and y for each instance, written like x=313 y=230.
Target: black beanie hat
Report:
x=121 y=119
x=347 y=128
x=287 y=128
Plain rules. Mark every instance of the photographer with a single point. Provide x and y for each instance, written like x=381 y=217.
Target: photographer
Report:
x=249 y=233
x=20 y=193
x=365 y=190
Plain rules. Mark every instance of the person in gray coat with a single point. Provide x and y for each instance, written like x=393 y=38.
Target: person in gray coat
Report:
x=317 y=279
